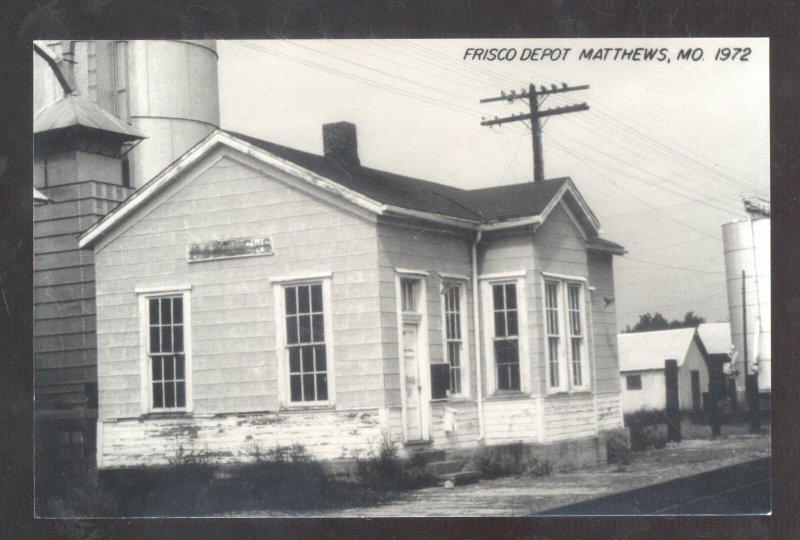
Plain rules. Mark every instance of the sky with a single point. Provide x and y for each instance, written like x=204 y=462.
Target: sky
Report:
x=663 y=156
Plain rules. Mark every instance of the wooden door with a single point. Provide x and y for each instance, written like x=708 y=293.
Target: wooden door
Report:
x=695 y=374
x=412 y=382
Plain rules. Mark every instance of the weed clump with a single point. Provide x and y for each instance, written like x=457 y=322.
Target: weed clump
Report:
x=388 y=472
x=618 y=447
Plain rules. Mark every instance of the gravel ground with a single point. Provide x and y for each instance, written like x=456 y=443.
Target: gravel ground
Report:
x=522 y=495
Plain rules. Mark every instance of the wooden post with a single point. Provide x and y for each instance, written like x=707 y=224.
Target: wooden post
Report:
x=673 y=404
x=536 y=129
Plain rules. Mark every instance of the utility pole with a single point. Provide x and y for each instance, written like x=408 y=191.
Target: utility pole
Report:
x=750 y=378
x=532 y=95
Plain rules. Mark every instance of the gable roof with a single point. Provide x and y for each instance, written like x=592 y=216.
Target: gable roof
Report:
x=716 y=337
x=380 y=192
x=649 y=350
x=380 y=186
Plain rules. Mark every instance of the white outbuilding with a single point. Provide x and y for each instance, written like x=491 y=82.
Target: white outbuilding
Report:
x=641 y=364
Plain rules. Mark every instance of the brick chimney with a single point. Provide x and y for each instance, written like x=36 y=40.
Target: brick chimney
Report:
x=339 y=143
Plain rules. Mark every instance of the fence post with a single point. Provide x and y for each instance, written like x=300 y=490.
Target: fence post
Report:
x=673 y=405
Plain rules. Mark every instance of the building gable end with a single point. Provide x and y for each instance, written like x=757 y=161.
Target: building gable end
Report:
x=288 y=171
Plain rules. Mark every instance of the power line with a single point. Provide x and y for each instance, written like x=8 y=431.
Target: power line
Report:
x=532 y=95
x=437 y=102
x=674 y=267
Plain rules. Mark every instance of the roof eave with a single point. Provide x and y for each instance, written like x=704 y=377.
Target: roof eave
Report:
x=430 y=216
x=512 y=223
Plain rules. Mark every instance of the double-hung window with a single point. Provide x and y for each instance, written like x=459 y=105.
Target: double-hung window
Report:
x=305 y=343
x=166 y=361
x=506 y=336
x=305 y=351
x=453 y=336
x=565 y=335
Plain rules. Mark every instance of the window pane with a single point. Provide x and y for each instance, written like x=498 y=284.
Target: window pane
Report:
x=550 y=294
x=513 y=328
x=166 y=311
x=305 y=328
x=169 y=368
x=156 y=364
x=497 y=293
x=308 y=359
x=407 y=293
x=291 y=300
x=155 y=343
x=513 y=370
x=322 y=387
x=503 y=382
x=499 y=324
x=166 y=339
x=308 y=388
x=316 y=298
x=154 y=311
x=511 y=296
x=181 y=394
x=454 y=354
x=158 y=398
x=169 y=394
x=318 y=333
x=294 y=360
x=178 y=338
x=303 y=305
x=575 y=323
x=294 y=384
x=291 y=329
x=553 y=361
x=177 y=310
x=179 y=367
x=322 y=363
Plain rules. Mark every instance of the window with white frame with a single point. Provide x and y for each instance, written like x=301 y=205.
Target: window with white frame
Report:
x=453 y=335
x=506 y=336
x=166 y=352
x=575 y=331
x=565 y=335
x=305 y=343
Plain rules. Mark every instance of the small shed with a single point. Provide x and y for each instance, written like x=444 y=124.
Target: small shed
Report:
x=641 y=365
x=725 y=370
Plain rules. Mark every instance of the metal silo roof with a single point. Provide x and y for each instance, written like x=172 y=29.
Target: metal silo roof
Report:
x=72 y=111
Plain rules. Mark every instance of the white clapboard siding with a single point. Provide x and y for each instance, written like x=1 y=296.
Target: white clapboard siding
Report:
x=465 y=432
x=569 y=417
x=609 y=411
x=230 y=438
x=511 y=420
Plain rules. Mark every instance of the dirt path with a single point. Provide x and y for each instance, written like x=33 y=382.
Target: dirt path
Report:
x=519 y=495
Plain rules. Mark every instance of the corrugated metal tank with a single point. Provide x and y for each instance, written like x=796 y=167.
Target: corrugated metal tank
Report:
x=747 y=248
x=167 y=89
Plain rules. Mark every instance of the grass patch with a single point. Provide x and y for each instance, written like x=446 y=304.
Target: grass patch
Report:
x=284 y=478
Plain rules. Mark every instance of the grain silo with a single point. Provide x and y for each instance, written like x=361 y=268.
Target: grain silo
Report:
x=747 y=268
x=168 y=90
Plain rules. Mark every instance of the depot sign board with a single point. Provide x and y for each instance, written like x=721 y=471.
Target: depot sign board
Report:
x=229 y=249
